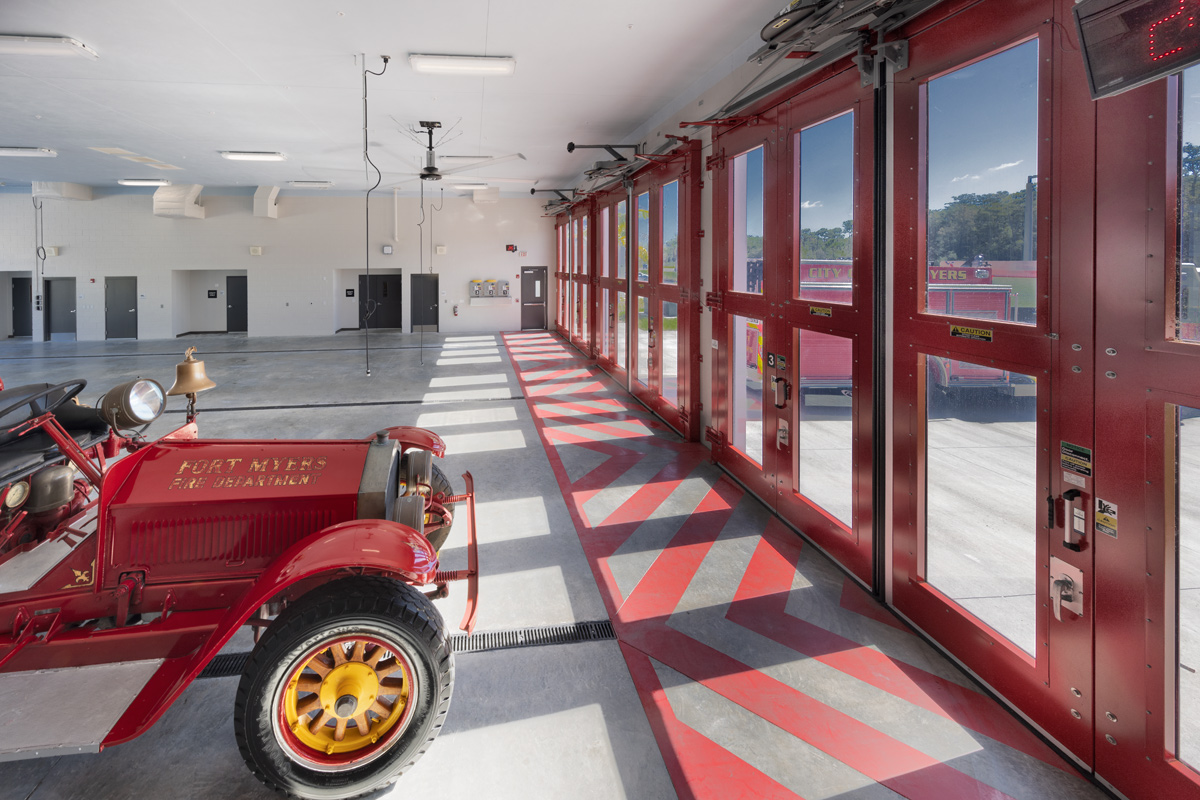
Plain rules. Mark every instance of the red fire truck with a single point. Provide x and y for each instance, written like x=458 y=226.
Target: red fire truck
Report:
x=958 y=290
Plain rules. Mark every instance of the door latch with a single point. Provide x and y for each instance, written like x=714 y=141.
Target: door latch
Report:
x=781 y=436
x=1066 y=588
x=783 y=390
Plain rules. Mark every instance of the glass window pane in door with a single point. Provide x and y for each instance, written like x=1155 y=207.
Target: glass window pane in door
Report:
x=1187 y=288
x=746 y=386
x=826 y=210
x=603 y=320
x=622 y=321
x=605 y=227
x=583 y=246
x=643 y=341
x=643 y=236
x=981 y=203
x=584 y=331
x=668 y=343
x=1188 y=581
x=622 y=241
x=746 y=198
x=824 y=442
x=670 y=233
x=575 y=246
x=981 y=498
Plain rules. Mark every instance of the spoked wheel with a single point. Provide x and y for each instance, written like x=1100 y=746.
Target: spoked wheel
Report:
x=346 y=689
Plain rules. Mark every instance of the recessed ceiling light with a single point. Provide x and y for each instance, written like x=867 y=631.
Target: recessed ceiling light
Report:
x=42 y=152
x=311 y=184
x=462 y=65
x=251 y=155
x=144 y=182
x=44 y=46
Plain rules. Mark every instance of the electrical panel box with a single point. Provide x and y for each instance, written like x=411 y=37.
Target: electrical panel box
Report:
x=476 y=288
x=502 y=288
x=489 y=289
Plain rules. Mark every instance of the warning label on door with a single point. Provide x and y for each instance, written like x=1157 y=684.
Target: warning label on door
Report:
x=967 y=332
x=821 y=311
x=1076 y=459
x=1106 y=517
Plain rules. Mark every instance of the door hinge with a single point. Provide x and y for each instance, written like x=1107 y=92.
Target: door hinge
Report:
x=700 y=234
x=716 y=160
x=714 y=300
x=716 y=438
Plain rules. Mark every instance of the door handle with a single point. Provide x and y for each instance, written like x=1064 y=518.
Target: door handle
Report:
x=132 y=310
x=1066 y=588
x=1062 y=589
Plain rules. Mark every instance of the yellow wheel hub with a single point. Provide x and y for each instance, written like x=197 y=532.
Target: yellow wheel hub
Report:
x=346 y=696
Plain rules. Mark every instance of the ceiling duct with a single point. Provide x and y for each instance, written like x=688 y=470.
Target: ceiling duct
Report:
x=48 y=190
x=264 y=202
x=490 y=194
x=181 y=202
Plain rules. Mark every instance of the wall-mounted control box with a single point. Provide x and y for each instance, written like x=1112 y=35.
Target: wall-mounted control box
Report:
x=476 y=288
x=502 y=288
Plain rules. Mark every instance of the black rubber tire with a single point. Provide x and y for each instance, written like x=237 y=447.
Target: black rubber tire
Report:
x=440 y=484
x=375 y=607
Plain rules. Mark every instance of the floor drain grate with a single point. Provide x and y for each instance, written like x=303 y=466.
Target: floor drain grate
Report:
x=226 y=664
x=533 y=637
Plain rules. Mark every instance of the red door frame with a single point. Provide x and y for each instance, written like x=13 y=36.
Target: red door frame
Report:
x=681 y=164
x=1140 y=368
x=831 y=93
x=1043 y=686
x=562 y=277
x=610 y=277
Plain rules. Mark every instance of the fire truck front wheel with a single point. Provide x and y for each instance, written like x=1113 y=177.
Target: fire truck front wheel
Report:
x=346 y=690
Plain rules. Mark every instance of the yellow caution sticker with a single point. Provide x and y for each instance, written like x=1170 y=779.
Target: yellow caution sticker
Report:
x=1106 y=517
x=820 y=311
x=967 y=332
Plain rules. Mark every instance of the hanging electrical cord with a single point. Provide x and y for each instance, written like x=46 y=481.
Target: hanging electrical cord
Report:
x=39 y=252
x=368 y=304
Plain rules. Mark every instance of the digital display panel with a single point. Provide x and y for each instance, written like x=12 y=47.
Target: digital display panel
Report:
x=1127 y=43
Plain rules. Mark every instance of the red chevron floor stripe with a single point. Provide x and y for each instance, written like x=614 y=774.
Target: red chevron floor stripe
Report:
x=759 y=606
x=698 y=767
x=756 y=605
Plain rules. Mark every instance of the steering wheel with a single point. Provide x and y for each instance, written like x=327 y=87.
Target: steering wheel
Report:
x=69 y=390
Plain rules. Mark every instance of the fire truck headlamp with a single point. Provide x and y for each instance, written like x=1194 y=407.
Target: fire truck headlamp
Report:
x=133 y=404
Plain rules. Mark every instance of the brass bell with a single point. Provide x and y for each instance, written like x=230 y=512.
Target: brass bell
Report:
x=189 y=376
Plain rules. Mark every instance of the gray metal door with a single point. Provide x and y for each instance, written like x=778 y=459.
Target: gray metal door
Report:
x=60 y=309
x=424 y=302
x=379 y=301
x=533 y=298
x=120 y=308
x=236 y=303
x=22 y=307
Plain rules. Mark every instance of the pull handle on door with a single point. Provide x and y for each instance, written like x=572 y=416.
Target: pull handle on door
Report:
x=783 y=390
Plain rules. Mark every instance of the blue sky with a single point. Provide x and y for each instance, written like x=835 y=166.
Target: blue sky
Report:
x=983 y=126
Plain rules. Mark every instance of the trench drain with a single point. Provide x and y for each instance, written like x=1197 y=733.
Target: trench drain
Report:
x=225 y=665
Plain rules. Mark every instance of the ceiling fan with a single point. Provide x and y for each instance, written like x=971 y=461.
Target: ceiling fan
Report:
x=432 y=172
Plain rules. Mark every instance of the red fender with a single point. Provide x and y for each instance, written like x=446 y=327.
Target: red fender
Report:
x=409 y=436
x=373 y=544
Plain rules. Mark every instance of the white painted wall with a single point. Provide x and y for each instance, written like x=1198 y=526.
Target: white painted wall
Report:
x=311 y=254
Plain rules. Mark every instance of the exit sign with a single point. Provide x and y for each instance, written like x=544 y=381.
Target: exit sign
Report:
x=1127 y=43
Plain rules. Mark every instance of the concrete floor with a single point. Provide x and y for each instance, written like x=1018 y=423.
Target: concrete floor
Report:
x=746 y=664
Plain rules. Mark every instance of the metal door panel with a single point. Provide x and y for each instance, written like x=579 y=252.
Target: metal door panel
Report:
x=533 y=298
x=120 y=308
x=22 y=298
x=237 y=310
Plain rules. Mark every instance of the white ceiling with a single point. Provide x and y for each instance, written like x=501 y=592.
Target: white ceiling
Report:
x=178 y=81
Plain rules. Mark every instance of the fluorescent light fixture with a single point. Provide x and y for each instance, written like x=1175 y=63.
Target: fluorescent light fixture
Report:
x=469 y=186
x=310 y=184
x=144 y=182
x=44 y=46
x=39 y=152
x=251 y=155
x=462 y=65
